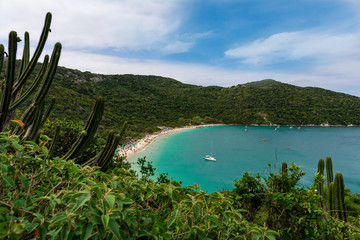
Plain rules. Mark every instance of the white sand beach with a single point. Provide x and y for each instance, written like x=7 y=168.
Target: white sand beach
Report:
x=139 y=145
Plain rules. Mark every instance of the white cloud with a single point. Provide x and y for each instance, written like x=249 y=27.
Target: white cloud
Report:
x=320 y=46
x=127 y=25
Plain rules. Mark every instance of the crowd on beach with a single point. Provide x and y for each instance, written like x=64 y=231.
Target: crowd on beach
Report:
x=137 y=145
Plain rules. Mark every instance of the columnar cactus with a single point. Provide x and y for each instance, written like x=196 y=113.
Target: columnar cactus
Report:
x=89 y=130
x=340 y=196
x=13 y=92
x=329 y=171
x=6 y=93
x=321 y=165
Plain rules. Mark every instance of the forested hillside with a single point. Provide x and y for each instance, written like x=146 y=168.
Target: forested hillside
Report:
x=149 y=101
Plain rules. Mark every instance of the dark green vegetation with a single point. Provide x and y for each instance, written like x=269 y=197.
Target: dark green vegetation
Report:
x=59 y=199
x=72 y=190
x=150 y=101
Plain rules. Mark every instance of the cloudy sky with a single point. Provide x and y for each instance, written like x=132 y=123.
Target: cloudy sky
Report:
x=202 y=42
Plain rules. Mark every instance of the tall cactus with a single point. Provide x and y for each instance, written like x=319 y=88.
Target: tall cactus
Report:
x=13 y=92
x=89 y=130
x=329 y=171
x=6 y=93
x=321 y=165
x=340 y=197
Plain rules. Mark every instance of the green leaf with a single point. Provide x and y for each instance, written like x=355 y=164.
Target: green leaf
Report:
x=65 y=231
x=31 y=226
x=4 y=168
x=19 y=202
x=82 y=200
x=271 y=237
x=16 y=228
x=25 y=182
x=87 y=230
x=57 y=218
x=111 y=200
x=114 y=228
x=170 y=222
x=256 y=236
x=105 y=220
x=39 y=216
x=8 y=181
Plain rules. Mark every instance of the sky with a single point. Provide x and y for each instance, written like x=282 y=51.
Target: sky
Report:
x=202 y=42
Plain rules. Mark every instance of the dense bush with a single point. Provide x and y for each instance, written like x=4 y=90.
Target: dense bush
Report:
x=284 y=206
x=60 y=200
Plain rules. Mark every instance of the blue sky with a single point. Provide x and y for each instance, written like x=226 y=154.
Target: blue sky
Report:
x=202 y=42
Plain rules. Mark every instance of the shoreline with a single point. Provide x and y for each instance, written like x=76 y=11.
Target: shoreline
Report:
x=131 y=149
x=139 y=145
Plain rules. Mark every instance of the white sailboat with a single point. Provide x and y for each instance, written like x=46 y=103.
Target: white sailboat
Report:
x=210 y=158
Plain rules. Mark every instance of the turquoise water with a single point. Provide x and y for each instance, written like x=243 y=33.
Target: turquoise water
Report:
x=181 y=154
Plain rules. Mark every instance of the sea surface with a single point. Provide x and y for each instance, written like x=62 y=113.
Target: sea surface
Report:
x=240 y=149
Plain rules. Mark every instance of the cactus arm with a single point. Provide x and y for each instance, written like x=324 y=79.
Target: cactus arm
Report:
x=33 y=86
x=110 y=153
x=340 y=196
x=329 y=170
x=49 y=75
x=102 y=154
x=26 y=53
x=54 y=142
x=321 y=166
x=34 y=124
x=89 y=130
x=9 y=81
x=30 y=67
x=47 y=112
x=331 y=198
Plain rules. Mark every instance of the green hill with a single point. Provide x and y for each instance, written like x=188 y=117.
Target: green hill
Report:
x=150 y=101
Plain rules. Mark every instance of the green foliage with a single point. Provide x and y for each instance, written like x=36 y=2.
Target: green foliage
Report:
x=150 y=101
x=60 y=200
x=286 y=207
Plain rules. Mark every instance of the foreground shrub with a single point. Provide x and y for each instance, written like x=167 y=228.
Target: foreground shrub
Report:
x=60 y=200
x=280 y=203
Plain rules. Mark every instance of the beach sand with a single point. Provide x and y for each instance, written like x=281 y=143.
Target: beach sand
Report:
x=140 y=145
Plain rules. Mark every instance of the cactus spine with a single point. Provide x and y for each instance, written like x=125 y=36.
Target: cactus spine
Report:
x=329 y=171
x=89 y=130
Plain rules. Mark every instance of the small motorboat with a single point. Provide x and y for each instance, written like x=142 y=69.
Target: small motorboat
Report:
x=209 y=158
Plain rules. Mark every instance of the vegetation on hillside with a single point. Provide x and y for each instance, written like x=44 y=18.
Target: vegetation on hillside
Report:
x=150 y=101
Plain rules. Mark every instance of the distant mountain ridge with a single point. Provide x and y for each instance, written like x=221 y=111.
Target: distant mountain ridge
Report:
x=150 y=101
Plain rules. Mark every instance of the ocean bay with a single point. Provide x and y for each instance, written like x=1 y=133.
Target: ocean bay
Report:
x=239 y=149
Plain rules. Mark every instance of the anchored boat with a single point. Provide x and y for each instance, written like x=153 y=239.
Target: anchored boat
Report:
x=210 y=158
